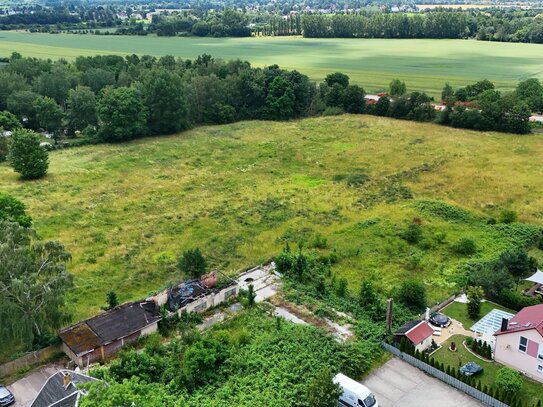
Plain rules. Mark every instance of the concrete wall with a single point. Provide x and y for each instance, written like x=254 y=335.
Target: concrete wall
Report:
x=508 y=353
x=28 y=360
x=160 y=298
x=211 y=300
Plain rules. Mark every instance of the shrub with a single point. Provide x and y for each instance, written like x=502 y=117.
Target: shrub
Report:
x=192 y=262
x=413 y=295
x=333 y=111
x=341 y=289
x=509 y=381
x=26 y=155
x=507 y=216
x=515 y=300
x=412 y=234
x=13 y=210
x=475 y=295
x=465 y=247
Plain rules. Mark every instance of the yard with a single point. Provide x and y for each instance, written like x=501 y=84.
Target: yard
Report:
x=531 y=390
x=459 y=311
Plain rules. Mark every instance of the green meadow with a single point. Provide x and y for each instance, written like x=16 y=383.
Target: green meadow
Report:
x=241 y=191
x=373 y=63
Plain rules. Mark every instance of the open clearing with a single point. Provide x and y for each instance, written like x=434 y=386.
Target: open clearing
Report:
x=241 y=191
x=424 y=64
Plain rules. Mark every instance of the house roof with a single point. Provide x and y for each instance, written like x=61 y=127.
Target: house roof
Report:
x=54 y=394
x=407 y=326
x=416 y=331
x=114 y=324
x=528 y=318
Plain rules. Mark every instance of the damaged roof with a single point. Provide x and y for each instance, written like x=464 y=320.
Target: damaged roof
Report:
x=114 y=324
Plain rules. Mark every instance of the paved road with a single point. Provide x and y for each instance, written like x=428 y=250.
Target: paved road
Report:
x=26 y=389
x=398 y=384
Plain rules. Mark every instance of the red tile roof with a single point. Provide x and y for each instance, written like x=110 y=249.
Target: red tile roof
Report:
x=527 y=318
x=420 y=332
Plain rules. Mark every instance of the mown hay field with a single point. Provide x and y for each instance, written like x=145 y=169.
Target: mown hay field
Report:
x=241 y=191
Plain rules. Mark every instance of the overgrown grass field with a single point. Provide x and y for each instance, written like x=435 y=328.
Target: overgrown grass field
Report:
x=425 y=64
x=241 y=191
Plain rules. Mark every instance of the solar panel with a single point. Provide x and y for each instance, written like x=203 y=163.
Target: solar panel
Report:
x=491 y=322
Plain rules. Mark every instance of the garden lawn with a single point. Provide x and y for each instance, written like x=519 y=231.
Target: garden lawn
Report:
x=425 y=64
x=241 y=191
x=459 y=311
x=531 y=390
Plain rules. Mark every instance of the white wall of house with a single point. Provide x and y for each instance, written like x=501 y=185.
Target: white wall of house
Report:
x=149 y=329
x=507 y=353
x=424 y=345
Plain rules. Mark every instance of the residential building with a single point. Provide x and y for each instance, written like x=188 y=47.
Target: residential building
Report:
x=519 y=342
x=61 y=390
x=100 y=337
x=417 y=332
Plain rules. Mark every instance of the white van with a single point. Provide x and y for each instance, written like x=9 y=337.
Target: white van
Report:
x=354 y=393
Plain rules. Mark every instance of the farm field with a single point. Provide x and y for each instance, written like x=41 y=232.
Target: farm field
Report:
x=424 y=64
x=241 y=191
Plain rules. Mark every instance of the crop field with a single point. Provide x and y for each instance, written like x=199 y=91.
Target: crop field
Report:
x=373 y=63
x=241 y=191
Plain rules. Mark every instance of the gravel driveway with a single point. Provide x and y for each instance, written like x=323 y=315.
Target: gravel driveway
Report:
x=398 y=384
x=26 y=389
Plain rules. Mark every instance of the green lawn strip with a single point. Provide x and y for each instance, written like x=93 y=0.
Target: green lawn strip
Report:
x=531 y=390
x=459 y=311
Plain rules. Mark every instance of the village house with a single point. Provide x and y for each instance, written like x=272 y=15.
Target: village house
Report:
x=100 y=337
x=418 y=333
x=519 y=342
x=61 y=390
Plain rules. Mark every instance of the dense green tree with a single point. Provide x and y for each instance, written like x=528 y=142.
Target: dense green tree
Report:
x=335 y=96
x=13 y=210
x=397 y=88
x=337 y=77
x=280 y=102
x=10 y=82
x=531 y=92
x=475 y=296
x=98 y=78
x=56 y=83
x=164 y=97
x=49 y=115
x=192 y=263
x=447 y=94
x=9 y=122
x=353 y=99
x=323 y=392
x=33 y=281
x=413 y=295
x=81 y=109
x=22 y=104
x=4 y=149
x=518 y=263
x=26 y=155
x=121 y=114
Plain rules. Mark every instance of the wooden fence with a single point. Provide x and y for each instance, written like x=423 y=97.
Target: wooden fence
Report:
x=444 y=377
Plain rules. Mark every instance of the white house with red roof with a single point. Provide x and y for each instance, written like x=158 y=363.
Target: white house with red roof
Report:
x=419 y=333
x=519 y=342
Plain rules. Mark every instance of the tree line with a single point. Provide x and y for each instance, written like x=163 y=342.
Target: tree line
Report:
x=114 y=99
x=492 y=26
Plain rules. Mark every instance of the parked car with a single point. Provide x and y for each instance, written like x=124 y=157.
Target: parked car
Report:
x=354 y=394
x=471 y=369
x=440 y=320
x=6 y=398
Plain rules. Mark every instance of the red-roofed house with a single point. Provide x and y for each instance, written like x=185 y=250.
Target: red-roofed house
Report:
x=419 y=333
x=519 y=342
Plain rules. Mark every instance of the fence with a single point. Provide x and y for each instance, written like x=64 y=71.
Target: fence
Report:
x=444 y=377
x=28 y=360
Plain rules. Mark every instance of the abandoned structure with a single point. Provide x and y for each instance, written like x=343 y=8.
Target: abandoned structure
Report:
x=100 y=337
